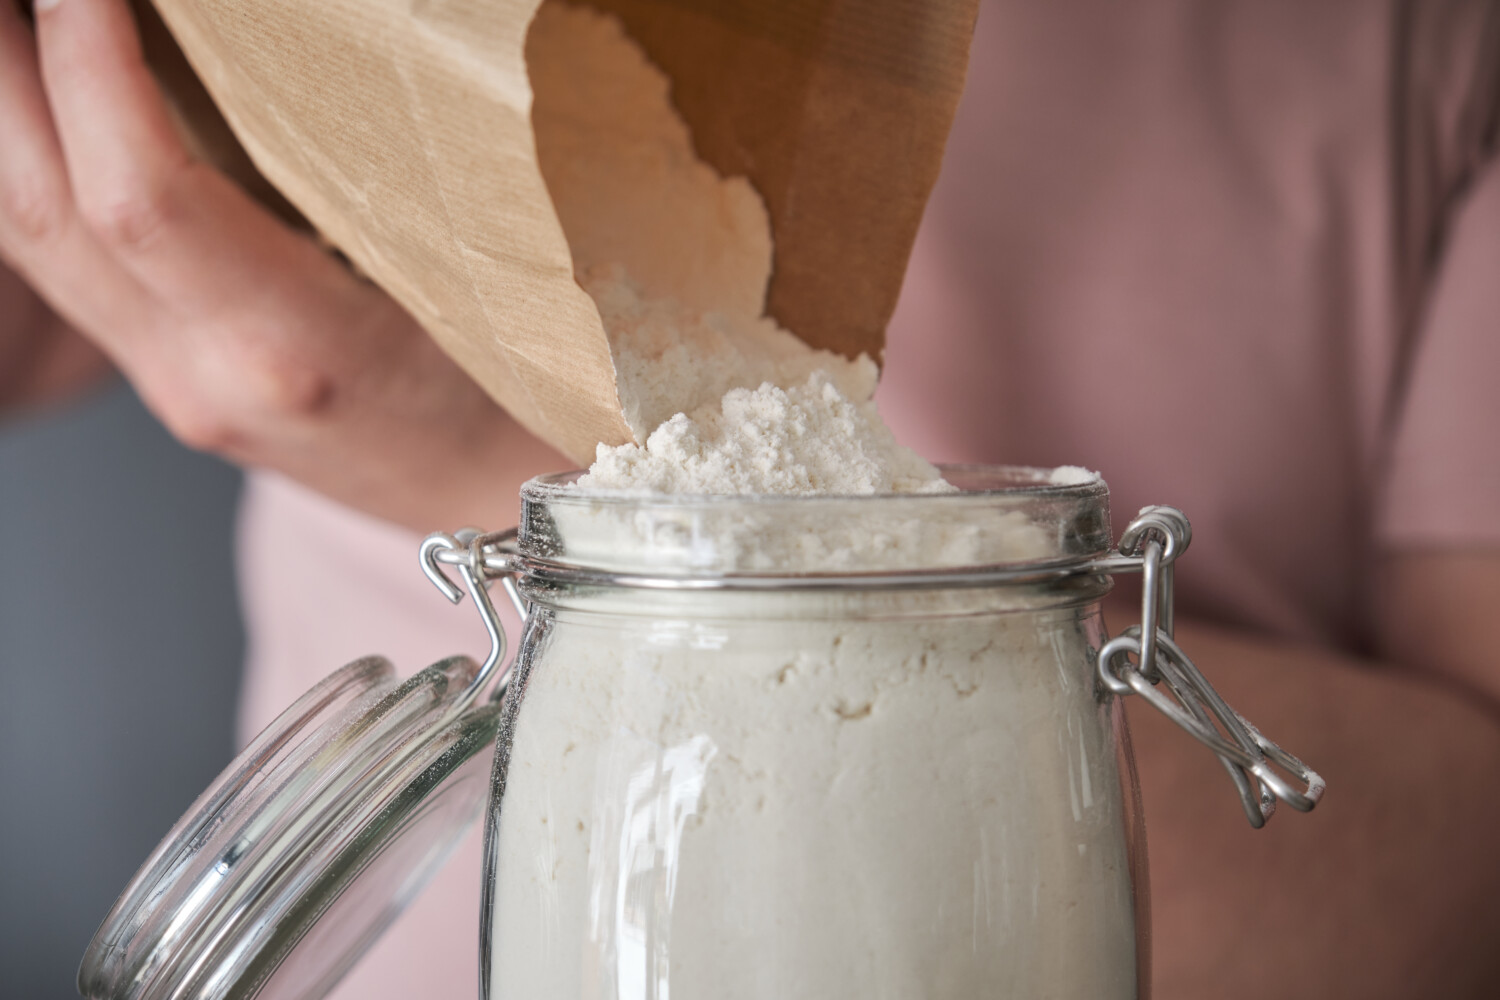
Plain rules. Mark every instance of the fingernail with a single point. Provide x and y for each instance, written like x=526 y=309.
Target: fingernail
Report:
x=44 y=5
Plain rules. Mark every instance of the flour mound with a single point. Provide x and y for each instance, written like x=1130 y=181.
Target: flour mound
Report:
x=810 y=438
x=729 y=403
x=1072 y=475
x=672 y=358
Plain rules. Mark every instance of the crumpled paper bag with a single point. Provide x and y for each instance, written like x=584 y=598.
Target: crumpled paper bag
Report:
x=402 y=131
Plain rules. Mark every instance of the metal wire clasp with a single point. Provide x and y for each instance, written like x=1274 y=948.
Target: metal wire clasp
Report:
x=480 y=559
x=1151 y=544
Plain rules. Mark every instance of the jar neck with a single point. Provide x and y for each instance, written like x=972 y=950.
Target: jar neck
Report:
x=997 y=518
x=1073 y=592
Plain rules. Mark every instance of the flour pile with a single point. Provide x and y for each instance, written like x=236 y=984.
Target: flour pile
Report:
x=807 y=439
x=730 y=404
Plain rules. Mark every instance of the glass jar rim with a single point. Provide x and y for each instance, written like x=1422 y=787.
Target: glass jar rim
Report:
x=972 y=479
x=1007 y=518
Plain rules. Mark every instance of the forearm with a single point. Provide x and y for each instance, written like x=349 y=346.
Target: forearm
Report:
x=1387 y=890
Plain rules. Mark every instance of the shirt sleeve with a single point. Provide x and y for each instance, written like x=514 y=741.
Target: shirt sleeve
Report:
x=1441 y=487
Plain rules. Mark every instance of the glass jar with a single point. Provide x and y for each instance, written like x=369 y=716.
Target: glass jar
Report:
x=748 y=747
x=813 y=747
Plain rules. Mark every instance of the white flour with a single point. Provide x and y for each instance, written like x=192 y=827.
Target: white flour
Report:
x=672 y=358
x=798 y=796
x=742 y=407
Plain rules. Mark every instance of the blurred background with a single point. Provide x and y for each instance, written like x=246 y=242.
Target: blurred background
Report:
x=120 y=650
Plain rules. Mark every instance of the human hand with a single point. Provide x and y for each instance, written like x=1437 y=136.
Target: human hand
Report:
x=243 y=336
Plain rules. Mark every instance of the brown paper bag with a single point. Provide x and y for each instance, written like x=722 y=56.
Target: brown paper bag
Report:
x=401 y=129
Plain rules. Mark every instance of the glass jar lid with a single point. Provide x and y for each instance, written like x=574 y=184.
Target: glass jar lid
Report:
x=307 y=846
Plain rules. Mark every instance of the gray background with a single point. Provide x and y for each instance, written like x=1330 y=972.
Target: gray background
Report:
x=120 y=650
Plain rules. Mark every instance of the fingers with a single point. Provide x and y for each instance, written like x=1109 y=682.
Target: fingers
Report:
x=39 y=231
x=114 y=127
x=257 y=342
x=31 y=169
x=197 y=242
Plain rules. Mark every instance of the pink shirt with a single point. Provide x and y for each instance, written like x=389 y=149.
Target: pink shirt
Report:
x=1241 y=257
